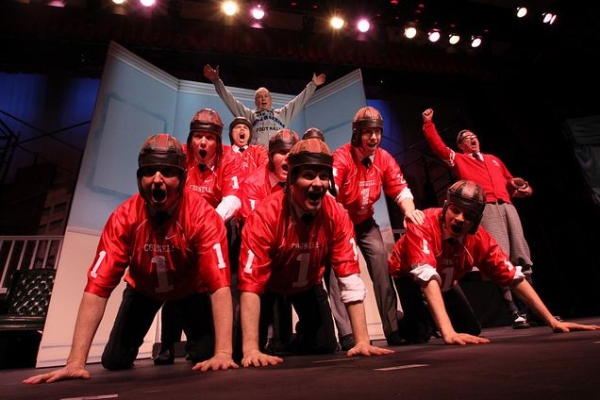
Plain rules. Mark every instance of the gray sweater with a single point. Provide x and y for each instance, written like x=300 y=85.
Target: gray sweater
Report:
x=265 y=122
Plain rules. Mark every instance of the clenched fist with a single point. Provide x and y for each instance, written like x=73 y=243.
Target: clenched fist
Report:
x=427 y=115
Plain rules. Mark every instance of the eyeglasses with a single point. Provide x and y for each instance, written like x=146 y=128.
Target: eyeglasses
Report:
x=468 y=137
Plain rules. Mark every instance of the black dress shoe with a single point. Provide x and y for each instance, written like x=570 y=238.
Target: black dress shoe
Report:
x=274 y=346
x=166 y=356
x=347 y=342
x=394 y=339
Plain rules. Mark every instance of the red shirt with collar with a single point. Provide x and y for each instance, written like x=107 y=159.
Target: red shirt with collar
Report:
x=216 y=182
x=281 y=253
x=360 y=187
x=256 y=187
x=250 y=159
x=492 y=175
x=187 y=255
x=423 y=245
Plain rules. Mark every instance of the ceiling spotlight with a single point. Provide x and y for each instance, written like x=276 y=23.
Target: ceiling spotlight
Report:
x=363 y=25
x=521 y=12
x=229 y=8
x=475 y=41
x=258 y=12
x=434 y=35
x=410 y=32
x=337 y=22
x=147 y=3
x=454 y=38
x=118 y=2
x=548 y=18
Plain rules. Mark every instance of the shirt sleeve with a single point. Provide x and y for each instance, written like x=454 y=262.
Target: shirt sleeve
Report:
x=438 y=147
x=112 y=253
x=414 y=253
x=291 y=109
x=344 y=258
x=393 y=182
x=231 y=175
x=338 y=168
x=261 y=156
x=236 y=107
x=212 y=250
x=255 y=259
x=344 y=253
x=228 y=207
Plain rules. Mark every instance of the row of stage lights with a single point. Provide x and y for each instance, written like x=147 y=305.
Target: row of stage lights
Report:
x=363 y=25
x=337 y=22
x=434 y=35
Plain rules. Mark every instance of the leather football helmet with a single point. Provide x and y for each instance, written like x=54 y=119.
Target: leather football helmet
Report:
x=162 y=150
x=366 y=117
x=238 y=121
x=311 y=152
x=207 y=120
x=313 y=133
x=468 y=195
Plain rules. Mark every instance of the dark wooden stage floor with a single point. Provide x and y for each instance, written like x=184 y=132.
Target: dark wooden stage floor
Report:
x=518 y=364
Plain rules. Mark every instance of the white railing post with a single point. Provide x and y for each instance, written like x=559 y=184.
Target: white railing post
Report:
x=17 y=257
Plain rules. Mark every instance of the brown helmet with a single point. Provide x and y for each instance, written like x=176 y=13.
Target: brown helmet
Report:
x=162 y=150
x=313 y=133
x=366 y=117
x=468 y=195
x=207 y=120
x=313 y=152
x=283 y=139
x=238 y=121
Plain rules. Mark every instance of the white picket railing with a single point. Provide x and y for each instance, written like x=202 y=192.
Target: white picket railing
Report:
x=27 y=252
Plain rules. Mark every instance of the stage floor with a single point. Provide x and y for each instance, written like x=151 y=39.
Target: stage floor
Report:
x=518 y=364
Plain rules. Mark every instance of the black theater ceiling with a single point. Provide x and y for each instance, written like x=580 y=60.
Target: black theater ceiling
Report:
x=183 y=35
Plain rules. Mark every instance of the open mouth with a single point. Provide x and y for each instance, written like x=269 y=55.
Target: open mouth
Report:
x=314 y=196
x=202 y=153
x=242 y=136
x=457 y=229
x=370 y=148
x=159 y=195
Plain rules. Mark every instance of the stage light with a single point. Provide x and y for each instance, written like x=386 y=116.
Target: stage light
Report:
x=258 y=12
x=363 y=25
x=454 y=38
x=410 y=32
x=521 y=12
x=475 y=41
x=147 y=3
x=548 y=18
x=230 y=8
x=434 y=35
x=337 y=22
x=119 y=2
